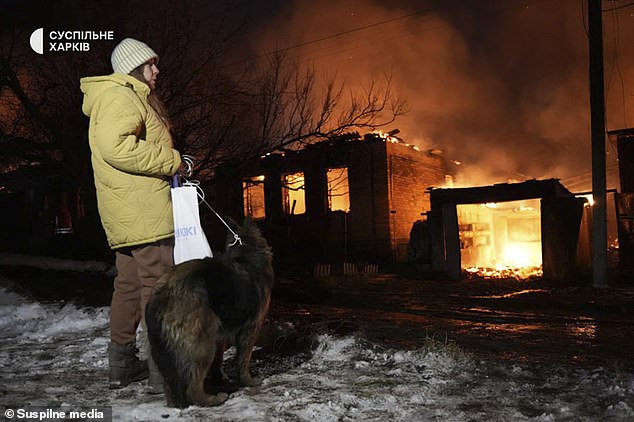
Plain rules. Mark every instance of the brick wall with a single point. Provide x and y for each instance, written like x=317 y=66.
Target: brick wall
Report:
x=410 y=173
x=369 y=227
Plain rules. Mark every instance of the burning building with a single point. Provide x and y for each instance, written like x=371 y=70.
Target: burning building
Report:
x=530 y=225
x=350 y=199
x=376 y=199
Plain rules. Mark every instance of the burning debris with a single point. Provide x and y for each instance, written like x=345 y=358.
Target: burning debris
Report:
x=503 y=273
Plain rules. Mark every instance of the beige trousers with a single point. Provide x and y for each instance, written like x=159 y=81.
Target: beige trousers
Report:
x=138 y=269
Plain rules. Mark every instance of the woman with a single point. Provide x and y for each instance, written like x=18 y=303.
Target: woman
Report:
x=133 y=157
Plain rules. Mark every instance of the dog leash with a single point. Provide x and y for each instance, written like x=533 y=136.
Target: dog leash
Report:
x=201 y=195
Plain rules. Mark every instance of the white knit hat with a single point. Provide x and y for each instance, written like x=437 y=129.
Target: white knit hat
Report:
x=130 y=54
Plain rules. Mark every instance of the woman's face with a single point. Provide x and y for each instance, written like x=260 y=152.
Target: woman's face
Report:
x=150 y=71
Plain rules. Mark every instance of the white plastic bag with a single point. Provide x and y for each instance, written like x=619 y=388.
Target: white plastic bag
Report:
x=190 y=241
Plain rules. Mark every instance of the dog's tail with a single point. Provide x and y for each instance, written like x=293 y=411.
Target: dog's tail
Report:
x=163 y=352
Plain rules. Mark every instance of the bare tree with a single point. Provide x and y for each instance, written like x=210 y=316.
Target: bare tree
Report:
x=220 y=112
x=279 y=104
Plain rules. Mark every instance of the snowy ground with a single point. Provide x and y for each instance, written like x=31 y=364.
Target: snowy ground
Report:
x=54 y=354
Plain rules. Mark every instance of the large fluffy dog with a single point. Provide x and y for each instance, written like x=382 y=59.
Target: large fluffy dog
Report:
x=201 y=304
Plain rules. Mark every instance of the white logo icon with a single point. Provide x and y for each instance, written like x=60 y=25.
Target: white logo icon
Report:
x=37 y=41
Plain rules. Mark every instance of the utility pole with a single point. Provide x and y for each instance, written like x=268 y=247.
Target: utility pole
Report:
x=597 y=124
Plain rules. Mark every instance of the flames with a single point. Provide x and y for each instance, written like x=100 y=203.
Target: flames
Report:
x=501 y=240
x=516 y=273
x=388 y=136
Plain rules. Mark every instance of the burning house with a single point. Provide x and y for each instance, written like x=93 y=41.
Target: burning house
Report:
x=350 y=199
x=530 y=225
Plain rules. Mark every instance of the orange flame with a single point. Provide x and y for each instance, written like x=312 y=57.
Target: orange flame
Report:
x=501 y=240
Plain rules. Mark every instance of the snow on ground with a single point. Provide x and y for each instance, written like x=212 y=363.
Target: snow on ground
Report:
x=51 y=263
x=54 y=354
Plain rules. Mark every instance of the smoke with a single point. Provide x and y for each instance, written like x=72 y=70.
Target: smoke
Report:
x=501 y=86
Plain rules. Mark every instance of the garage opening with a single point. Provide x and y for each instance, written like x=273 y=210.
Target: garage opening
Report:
x=501 y=238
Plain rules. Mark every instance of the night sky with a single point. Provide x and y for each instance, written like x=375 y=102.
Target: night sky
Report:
x=499 y=85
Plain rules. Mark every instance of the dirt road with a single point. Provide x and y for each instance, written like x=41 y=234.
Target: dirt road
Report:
x=515 y=320
x=529 y=321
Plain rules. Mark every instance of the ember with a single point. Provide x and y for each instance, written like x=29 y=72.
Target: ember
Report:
x=518 y=273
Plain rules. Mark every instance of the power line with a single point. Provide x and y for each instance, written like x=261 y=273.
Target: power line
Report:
x=332 y=36
x=358 y=29
x=336 y=50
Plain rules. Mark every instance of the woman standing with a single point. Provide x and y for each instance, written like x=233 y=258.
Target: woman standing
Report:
x=133 y=157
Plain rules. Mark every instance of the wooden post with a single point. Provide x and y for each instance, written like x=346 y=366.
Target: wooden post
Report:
x=452 y=240
x=597 y=122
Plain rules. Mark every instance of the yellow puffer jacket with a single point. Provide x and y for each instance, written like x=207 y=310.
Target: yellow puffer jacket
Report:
x=132 y=158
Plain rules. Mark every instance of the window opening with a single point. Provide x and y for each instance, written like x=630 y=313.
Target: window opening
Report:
x=253 y=197
x=338 y=189
x=293 y=193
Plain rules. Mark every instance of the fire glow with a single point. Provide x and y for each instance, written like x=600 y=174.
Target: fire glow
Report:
x=501 y=240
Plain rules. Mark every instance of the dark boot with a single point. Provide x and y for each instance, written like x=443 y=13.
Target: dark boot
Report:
x=155 y=380
x=125 y=366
